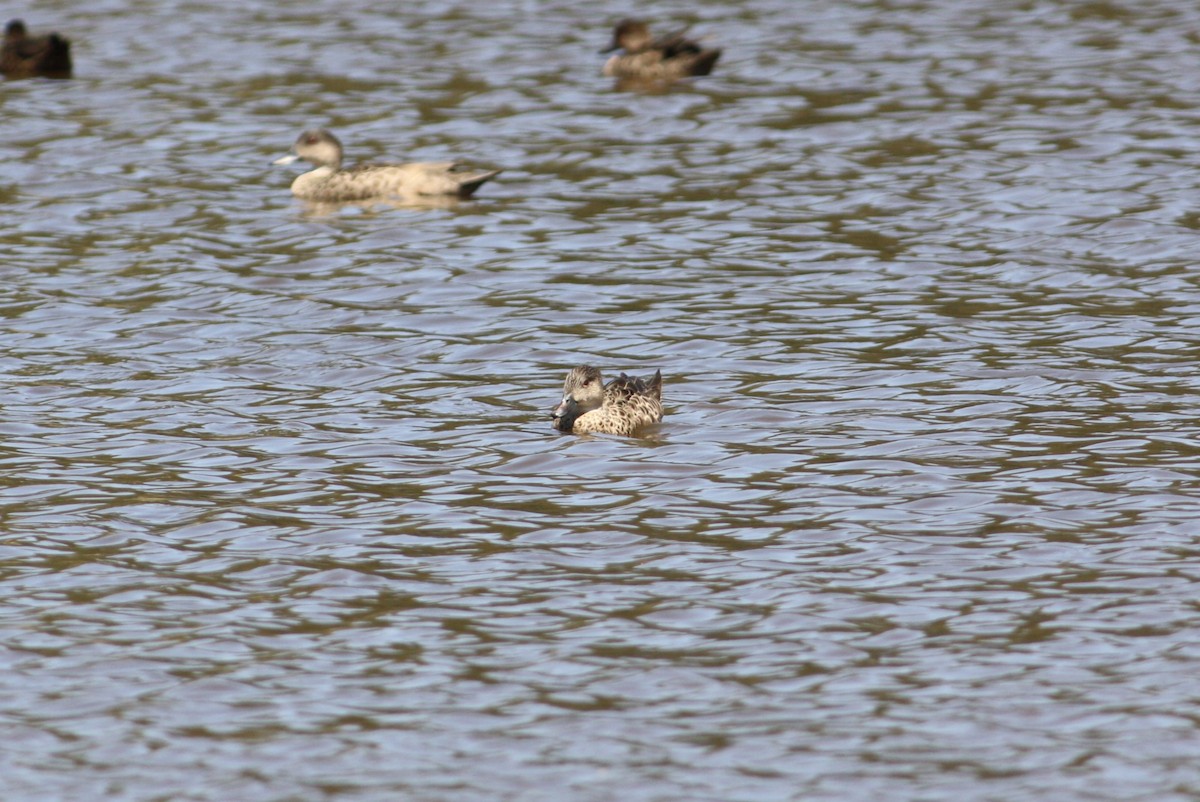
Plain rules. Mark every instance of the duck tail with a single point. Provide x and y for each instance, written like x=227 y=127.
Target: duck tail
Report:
x=704 y=62
x=468 y=185
x=57 y=58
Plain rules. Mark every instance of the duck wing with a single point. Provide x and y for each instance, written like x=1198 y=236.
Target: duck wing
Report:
x=677 y=44
x=417 y=178
x=625 y=388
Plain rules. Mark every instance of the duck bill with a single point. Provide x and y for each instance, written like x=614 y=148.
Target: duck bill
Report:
x=288 y=159
x=564 y=415
x=563 y=407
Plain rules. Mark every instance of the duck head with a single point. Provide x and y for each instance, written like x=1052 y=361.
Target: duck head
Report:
x=629 y=35
x=583 y=391
x=318 y=147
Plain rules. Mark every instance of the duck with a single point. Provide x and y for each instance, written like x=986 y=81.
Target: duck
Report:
x=661 y=60
x=622 y=407
x=330 y=183
x=24 y=56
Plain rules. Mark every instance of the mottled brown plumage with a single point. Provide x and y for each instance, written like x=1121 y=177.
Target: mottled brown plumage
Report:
x=623 y=406
x=330 y=183
x=24 y=56
x=651 y=60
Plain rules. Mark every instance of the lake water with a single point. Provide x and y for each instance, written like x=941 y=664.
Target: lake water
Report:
x=284 y=515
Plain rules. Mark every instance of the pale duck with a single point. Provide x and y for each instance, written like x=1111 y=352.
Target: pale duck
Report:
x=330 y=183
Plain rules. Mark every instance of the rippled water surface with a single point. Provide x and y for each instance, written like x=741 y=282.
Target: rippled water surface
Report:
x=285 y=519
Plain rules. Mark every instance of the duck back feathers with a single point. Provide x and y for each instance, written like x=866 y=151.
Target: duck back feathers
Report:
x=367 y=181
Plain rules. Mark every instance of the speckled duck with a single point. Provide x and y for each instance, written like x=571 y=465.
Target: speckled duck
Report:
x=24 y=56
x=623 y=406
x=646 y=59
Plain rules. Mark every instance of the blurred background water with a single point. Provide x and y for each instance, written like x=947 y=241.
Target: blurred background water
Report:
x=284 y=517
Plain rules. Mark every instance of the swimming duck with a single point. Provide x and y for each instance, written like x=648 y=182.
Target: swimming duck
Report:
x=23 y=56
x=667 y=58
x=331 y=184
x=621 y=407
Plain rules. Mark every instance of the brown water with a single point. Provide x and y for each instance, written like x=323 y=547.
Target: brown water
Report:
x=284 y=517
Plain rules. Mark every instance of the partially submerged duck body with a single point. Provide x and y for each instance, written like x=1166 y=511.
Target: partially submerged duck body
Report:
x=329 y=183
x=24 y=56
x=622 y=407
x=651 y=60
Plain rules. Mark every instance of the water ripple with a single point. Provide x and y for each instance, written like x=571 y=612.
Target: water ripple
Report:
x=286 y=518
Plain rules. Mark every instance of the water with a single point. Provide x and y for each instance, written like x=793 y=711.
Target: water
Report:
x=284 y=515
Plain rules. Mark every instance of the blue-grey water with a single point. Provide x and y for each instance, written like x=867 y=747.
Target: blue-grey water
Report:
x=283 y=515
